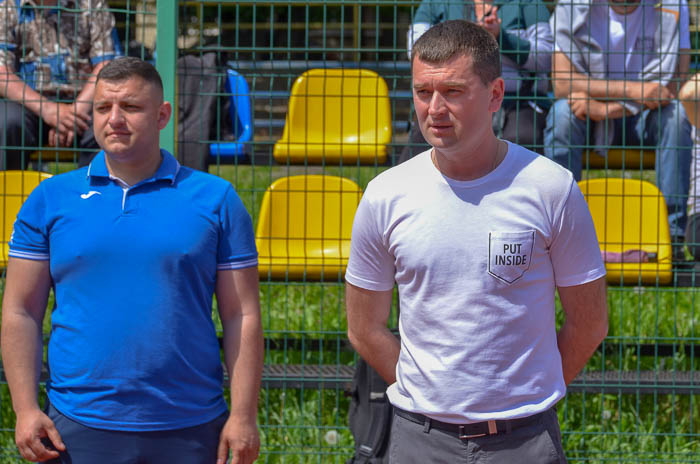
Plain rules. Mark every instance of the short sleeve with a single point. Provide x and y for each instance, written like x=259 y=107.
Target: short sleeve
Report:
x=574 y=250
x=8 y=36
x=103 y=38
x=30 y=235
x=370 y=266
x=236 y=248
x=425 y=14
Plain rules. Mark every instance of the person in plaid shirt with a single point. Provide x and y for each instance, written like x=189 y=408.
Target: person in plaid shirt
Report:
x=50 y=53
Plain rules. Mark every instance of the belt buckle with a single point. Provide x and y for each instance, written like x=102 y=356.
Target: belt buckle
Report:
x=493 y=430
x=462 y=436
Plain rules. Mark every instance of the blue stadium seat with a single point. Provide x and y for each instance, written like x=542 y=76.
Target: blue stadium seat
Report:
x=241 y=115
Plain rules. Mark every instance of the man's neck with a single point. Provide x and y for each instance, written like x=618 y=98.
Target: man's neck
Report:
x=133 y=171
x=471 y=165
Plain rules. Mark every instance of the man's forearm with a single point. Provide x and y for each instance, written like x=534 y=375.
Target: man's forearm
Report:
x=599 y=89
x=243 y=352
x=21 y=358
x=15 y=89
x=380 y=348
x=87 y=93
x=575 y=350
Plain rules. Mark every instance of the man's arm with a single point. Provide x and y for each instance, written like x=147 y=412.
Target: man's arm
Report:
x=24 y=304
x=239 y=308
x=65 y=117
x=585 y=327
x=689 y=96
x=582 y=106
x=566 y=80
x=368 y=312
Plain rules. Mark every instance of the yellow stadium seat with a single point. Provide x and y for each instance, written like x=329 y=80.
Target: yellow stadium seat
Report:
x=304 y=227
x=334 y=116
x=631 y=214
x=618 y=158
x=51 y=154
x=15 y=187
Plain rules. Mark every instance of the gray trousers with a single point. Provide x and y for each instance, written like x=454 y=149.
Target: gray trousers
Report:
x=535 y=443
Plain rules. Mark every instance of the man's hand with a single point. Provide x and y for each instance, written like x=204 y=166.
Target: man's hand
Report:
x=241 y=437
x=59 y=139
x=487 y=17
x=66 y=117
x=654 y=94
x=32 y=427
x=584 y=107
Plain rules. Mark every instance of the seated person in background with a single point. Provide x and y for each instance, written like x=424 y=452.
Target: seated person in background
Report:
x=525 y=40
x=50 y=53
x=689 y=95
x=615 y=71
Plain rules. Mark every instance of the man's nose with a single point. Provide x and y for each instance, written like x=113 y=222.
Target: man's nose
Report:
x=437 y=104
x=115 y=115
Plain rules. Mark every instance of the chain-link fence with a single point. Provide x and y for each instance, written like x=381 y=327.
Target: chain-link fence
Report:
x=300 y=104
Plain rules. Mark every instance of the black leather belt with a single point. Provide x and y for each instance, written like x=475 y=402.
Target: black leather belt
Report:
x=467 y=431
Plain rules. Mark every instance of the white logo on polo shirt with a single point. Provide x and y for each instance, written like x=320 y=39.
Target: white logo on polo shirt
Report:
x=85 y=196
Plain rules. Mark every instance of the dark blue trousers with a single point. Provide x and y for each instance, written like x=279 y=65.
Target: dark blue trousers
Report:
x=85 y=445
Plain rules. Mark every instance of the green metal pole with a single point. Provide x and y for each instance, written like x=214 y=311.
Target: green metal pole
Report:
x=166 y=58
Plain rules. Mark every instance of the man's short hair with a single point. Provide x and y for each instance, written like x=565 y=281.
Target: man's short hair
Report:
x=126 y=67
x=458 y=37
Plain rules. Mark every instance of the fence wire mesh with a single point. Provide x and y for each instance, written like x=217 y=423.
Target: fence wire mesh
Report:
x=300 y=104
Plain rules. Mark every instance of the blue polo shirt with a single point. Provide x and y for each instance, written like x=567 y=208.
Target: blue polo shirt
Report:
x=133 y=345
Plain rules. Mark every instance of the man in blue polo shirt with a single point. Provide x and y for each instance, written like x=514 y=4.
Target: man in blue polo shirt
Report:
x=134 y=246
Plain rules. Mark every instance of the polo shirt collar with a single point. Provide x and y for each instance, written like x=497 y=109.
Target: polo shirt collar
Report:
x=168 y=169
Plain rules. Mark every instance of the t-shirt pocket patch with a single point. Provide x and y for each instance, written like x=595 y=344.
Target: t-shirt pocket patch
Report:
x=509 y=254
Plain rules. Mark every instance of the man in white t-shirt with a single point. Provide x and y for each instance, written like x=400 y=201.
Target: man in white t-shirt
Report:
x=616 y=70
x=478 y=234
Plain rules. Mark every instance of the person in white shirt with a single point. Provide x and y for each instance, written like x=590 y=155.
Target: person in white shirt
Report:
x=478 y=234
x=689 y=96
x=616 y=70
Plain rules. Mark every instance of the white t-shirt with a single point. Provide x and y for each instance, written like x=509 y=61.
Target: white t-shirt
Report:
x=629 y=38
x=693 y=196
x=476 y=264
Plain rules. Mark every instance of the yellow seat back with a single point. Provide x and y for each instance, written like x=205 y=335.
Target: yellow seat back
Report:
x=304 y=227
x=336 y=115
x=631 y=214
x=15 y=187
x=618 y=158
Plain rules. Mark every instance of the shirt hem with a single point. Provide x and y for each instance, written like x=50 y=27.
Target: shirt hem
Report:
x=580 y=279
x=144 y=426
x=515 y=413
x=367 y=284
x=28 y=255
x=237 y=265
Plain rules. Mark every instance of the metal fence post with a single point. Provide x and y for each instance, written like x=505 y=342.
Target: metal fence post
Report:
x=166 y=59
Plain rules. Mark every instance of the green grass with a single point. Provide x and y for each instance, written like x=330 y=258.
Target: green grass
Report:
x=310 y=426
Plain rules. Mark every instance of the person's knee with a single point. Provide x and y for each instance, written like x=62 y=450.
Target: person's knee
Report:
x=674 y=123
x=11 y=116
x=560 y=118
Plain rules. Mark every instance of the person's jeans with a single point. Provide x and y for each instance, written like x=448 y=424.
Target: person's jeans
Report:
x=666 y=128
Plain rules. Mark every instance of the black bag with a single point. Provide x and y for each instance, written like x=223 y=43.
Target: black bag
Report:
x=370 y=416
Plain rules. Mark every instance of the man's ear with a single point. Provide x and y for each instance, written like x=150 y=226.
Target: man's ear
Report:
x=497 y=93
x=164 y=113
